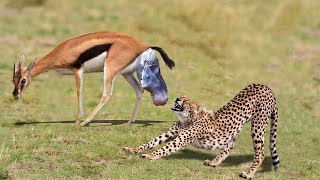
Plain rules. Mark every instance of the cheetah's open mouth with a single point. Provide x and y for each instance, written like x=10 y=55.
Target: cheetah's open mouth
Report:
x=177 y=105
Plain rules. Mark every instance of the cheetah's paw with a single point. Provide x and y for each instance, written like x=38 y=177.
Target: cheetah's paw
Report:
x=129 y=150
x=209 y=163
x=148 y=156
x=245 y=175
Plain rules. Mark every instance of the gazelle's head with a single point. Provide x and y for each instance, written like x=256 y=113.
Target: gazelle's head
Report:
x=21 y=77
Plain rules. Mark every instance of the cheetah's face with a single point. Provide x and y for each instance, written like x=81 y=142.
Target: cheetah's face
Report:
x=184 y=107
x=178 y=105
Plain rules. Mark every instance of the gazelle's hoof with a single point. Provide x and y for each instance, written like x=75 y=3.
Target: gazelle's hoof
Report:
x=78 y=121
x=130 y=122
x=84 y=123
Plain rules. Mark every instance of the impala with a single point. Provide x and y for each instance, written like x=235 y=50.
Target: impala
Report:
x=112 y=53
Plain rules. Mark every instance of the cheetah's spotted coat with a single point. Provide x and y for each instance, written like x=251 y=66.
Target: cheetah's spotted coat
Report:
x=218 y=130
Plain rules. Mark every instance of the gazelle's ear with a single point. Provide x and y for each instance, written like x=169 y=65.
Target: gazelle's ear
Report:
x=31 y=65
x=21 y=61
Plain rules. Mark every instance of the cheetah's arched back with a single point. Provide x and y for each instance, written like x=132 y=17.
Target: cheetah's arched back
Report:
x=218 y=130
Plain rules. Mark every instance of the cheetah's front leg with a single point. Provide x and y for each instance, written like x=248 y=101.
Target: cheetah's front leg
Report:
x=172 y=133
x=185 y=137
x=221 y=157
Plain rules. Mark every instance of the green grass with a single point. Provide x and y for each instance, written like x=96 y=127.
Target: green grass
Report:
x=219 y=47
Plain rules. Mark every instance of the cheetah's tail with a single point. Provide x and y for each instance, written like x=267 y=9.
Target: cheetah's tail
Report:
x=273 y=137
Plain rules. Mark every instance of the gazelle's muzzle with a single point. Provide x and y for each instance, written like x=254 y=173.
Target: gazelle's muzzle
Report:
x=16 y=94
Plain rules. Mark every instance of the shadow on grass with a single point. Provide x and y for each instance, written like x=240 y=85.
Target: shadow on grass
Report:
x=93 y=122
x=3 y=176
x=232 y=160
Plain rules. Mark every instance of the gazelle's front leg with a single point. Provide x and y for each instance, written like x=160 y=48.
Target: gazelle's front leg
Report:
x=109 y=77
x=172 y=133
x=79 y=79
x=185 y=137
x=139 y=92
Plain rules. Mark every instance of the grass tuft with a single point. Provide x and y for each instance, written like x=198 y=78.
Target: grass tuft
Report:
x=287 y=16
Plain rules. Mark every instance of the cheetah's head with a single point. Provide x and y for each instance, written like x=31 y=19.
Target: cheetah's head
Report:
x=185 y=108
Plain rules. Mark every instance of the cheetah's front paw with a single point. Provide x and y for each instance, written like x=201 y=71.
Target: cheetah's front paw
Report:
x=245 y=175
x=210 y=163
x=130 y=150
x=148 y=156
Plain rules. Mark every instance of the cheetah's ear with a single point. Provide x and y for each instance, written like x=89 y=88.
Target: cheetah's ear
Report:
x=183 y=97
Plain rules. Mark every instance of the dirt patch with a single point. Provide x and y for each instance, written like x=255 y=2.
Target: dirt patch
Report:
x=70 y=141
x=273 y=66
x=305 y=53
x=9 y=39
x=47 y=42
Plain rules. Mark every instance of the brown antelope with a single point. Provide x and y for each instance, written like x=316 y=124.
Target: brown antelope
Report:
x=109 y=52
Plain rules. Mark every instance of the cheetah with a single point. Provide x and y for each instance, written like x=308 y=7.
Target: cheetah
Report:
x=218 y=130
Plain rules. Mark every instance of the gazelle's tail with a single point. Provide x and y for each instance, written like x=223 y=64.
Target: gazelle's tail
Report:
x=169 y=62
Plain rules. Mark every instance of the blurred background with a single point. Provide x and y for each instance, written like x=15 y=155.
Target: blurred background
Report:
x=219 y=47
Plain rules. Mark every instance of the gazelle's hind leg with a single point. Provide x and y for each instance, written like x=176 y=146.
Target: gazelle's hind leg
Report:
x=259 y=123
x=109 y=77
x=79 y=79
x=139 y=92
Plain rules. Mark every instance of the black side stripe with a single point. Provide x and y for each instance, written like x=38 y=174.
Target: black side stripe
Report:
x=91 y=53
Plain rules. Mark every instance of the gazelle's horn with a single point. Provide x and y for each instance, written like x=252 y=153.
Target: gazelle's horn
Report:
x=14 y=70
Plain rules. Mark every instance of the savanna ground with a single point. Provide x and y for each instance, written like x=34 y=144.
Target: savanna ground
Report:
x=219 y=48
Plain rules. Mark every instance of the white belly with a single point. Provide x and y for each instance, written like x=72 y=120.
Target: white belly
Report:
x=96 y=64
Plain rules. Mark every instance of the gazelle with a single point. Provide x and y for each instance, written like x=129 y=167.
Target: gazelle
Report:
x=109 y=52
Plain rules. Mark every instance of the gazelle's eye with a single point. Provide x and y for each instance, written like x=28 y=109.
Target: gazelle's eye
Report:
x=23 y=81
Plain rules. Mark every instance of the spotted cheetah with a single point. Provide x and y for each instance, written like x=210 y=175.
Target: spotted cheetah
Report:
x=218 y=130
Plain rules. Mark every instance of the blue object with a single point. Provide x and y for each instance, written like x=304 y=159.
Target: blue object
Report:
x=148 y=71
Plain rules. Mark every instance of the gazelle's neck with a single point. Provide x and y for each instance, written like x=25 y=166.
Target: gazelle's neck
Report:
x=43 y=65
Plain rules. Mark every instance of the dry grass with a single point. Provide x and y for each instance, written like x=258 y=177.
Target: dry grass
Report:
x=219 y=47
